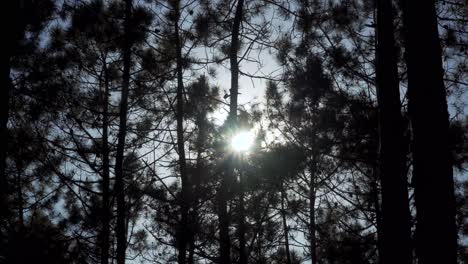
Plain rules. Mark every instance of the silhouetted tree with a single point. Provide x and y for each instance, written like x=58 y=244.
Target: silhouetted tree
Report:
x=436 y=236
x=224 y=222
x=116 y=147
x=396 y=219
x=28 y=20
x=121 y=229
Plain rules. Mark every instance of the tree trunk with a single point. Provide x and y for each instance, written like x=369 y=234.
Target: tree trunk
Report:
x=121 y=229
x=194 y=223
x=285 y=226
x=242 y=250
x=105 y=171
x=312 y=191
x=436 y=235
x=201 y=137
x=312 y=226
x=183 y=231
x=234 y=49
x=4 y=114
x=194 y=214
x=396 y=220
x=19 y=193
x=225 y=243
x=378 y=212
x=13 y=33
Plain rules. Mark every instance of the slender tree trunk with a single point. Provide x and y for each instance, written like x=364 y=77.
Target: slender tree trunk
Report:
x=312 y=193
x=234 y=49
x=201 y=138
x=193 y=229
x=396 y=220
x=242 y=250
x=196 y=183
x=19 y=193
x=183 y=231
x=378 y=212
x=436 y=235
x=194 y=214
x=105 y=232
x=194 y=226
x=12 y=34
x=285 y=226
x=225 y=243
x=121 y=229
x=4 y=114
x=312 y=226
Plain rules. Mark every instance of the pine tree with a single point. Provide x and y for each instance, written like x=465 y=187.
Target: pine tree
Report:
x=27 y=17
x=396 y=225
x=121 y=228
x=436 y=236
x=225 y=244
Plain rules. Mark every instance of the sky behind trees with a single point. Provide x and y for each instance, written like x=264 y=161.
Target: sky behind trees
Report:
x=276 y=131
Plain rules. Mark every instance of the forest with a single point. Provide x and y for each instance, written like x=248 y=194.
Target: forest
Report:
x=234 y=132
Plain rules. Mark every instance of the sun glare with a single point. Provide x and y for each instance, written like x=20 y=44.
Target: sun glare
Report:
x=243 y=141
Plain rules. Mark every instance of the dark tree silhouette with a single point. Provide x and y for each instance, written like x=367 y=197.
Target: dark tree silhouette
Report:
x=121 y=228
x=225 y=243
x=436 y=236
x=396 y=219
x=117 y=147
x=183 y=231
x=28 y=16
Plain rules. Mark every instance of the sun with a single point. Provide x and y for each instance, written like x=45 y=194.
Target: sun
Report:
x=242 y=141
